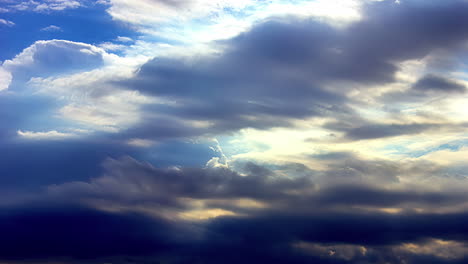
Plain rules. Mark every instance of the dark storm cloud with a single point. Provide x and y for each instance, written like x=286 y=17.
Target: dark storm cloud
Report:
x=353 y=228
x=281 y=68
x=82 y=235
x=350 y=182
x=28 y=165
x=272 y=233
x=54 y=227
x=167 y=185
x=349 y=195
x=44 y=232
x=436 y=83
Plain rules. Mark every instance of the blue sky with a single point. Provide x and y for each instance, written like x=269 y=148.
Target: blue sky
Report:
x=218 y=131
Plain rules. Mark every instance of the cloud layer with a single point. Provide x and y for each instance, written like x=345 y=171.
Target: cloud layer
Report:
x=306 y=132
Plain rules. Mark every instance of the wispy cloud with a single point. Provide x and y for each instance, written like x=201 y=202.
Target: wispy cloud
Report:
x=49 y=135
x=6 y=22
x=52 y=28
x=42 y=6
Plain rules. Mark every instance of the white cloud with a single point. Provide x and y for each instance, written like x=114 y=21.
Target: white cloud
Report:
x=80 y=75
x=45 y=6
x=221 y=19
x=123 y=39
x=141 y=143
x=53 y=50
x=6 y=22
x=109 y=46
x=54 y=57
x=49 y=135
x=51 y=28
x=144 y=12
x=103 y=2
x=5 y=79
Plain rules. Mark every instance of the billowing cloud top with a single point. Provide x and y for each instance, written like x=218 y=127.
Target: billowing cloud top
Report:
x=193 y=131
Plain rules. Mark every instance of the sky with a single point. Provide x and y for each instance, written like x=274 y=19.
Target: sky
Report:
x=247 y=131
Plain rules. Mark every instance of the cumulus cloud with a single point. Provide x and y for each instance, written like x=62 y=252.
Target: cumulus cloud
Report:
x=45 y=58
x=72 y=70
x=5 y=79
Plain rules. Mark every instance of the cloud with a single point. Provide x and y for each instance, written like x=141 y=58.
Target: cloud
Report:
x=143 y=213
x=137 y=11
x=221 y=19
x=53 y=57
x=49 y=135
x=256 y=80
x=438 y=84
x=270 y=82
x=364 y=130
x=322 y=205
x=256 y=98
x=81 y=76
x=373 y=131
x=123 y=39
x=168 y=186
x=109 y=46
x=51 y=28
x=5 y=79
x=6 y=22
x=47 y=6
x=80 y=233
x=348 y=185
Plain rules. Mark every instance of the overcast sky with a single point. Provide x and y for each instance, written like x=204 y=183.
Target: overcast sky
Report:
x=233 y=131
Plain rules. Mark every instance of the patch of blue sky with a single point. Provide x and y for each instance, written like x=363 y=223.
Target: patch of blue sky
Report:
x=92 y=25
x=30 y=113
x=402 y=150
x=179 y=153
x=451 y=146
x=235 y=145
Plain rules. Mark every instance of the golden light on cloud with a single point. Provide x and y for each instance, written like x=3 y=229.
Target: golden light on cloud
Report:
x=205 y=214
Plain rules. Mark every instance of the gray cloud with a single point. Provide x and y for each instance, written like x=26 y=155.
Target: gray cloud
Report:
x=279 y=71
x=282 y=68
x=165 y=186
x=298 y=212
x=365 y=130
x=374 y=131
x=437 y=83
x=346 y=182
